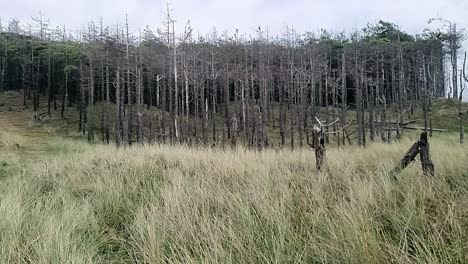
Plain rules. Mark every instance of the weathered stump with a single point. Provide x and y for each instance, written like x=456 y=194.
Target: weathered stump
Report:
x=426 y=163
x=319 y=146
x=420 y=147
x=409 y=157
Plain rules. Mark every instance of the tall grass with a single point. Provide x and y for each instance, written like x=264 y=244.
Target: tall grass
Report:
x=10 y=140
x=173 y=204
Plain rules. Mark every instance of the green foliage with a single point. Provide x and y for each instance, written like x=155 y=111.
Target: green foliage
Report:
x=385 y=33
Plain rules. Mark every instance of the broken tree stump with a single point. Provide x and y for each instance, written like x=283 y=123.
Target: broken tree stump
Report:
x=420 y=147
x=426 y=162
x=320 y=150
x=319 y=145
x=409 y=157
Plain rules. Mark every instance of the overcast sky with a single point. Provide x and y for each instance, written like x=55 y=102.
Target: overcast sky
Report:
x=246 y=15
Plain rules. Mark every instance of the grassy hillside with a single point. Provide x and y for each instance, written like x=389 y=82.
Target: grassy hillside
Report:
x=64 y=201
x=445 y=114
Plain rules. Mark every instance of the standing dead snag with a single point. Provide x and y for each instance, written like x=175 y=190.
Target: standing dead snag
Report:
x=318 y=135
x=421 y=147
x=426 y=163
x=319 y=145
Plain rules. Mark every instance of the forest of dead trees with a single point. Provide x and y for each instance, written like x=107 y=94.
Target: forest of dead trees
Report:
x=257 y=90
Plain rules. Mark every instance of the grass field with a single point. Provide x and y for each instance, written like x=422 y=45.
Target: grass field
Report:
x=65 y=201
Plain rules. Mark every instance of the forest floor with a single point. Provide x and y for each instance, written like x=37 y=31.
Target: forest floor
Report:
x=66 y=201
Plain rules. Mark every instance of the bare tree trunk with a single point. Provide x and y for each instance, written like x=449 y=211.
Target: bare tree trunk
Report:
x=363 y=106
x=424 y=95
x=197 y=101
x=401 y=92
x=304 y=108
x=176 y=85
x=37 y=89
x=300 y=108
x=82 y=100
x=264 y=108
x=358 y=98
x=91 y=103
x=129 y=87
x=187 y=105
x=291 y=107
x=140 y=110
x=107 y=135
x=453 y=46
x=119 y=113
x=460 y=99
x=299 y=120
x=259 y=128
x=102 y=99
x=335 y=108
x=244 y=114
x=426 y=163
x=266 y=97
x=371 y=113
x=227 y=114
x=319 y=146
x=344 y=103
x=461 y=124
x=65 y=96
x=282 y=113
x=234 y=128
x=213 y=100
x=291 y=92
x=162 y=127
x=385 y=119
x=313 y=92
x=327 y=109
x=204 y=112
x=4 y=66
x=49 y=88
x=377 y=100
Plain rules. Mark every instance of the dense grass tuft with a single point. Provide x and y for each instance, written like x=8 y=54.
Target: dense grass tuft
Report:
x=154 y=204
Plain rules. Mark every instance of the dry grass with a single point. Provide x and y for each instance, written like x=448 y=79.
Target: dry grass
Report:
x=155 y=204
x=10 y=140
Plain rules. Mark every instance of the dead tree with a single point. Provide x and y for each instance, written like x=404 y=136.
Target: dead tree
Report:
x=357 y=85
x=460 y=98
x=420 y=147
x=119 y=110
x=140 y=108
x=343 y=92
x=66 y=71
x=107 y=106
x=460 y=105
x=49 y=88
x=91 y=102
x=319 y=145
x=426 y=163
x=173 y=49
x=129 y=86
x=82 y=105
